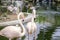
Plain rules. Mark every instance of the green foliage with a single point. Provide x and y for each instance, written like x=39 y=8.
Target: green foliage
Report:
x=3 y=10
x=24 y=9
x=0 y=2
x=23 y=38
x=3 y=38
x=40 y=19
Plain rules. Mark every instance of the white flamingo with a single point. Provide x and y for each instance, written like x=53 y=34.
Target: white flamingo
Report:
x=31 y=26
x=13 y=31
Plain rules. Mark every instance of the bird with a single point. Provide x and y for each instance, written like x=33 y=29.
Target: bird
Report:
x=13 y=31
x=31 y=26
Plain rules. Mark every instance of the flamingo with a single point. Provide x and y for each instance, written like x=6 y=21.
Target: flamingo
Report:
x=13 y=31
x=31 y=26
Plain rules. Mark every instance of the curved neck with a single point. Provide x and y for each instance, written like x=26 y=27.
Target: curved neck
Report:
x=22 y=34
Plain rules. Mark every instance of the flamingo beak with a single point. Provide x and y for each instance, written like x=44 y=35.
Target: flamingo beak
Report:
x=23 y=19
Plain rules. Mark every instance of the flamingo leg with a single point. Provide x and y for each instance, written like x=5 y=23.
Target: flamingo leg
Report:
x=9 y=38
x=28 y=36
x=34 y=36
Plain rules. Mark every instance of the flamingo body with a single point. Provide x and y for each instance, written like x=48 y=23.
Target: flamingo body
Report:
x=31 y=27
x=11 y=32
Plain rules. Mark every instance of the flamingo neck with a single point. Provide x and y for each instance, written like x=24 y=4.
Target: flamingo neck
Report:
x=32 y=19
x=22 y=34
x=34 y=15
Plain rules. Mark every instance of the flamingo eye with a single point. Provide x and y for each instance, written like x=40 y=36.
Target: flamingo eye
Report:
x=34 y=18
x=23 y=20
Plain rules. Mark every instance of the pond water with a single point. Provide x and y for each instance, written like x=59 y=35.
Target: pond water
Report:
x=48 y=28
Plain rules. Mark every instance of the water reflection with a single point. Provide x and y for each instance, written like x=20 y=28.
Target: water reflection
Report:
x=56 y=34
x=45 y=31
x=49 y=33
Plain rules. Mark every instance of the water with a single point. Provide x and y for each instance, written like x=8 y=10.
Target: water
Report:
x=49 y=29
x=56 y=34
x=49 y=32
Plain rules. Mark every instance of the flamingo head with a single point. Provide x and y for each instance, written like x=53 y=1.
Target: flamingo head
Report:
x=33 y=11
x=22 y=16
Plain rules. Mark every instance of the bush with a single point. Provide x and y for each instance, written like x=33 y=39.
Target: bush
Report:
x=3 y=10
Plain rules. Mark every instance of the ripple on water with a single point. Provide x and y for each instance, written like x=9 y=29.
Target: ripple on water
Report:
x=56 y=34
